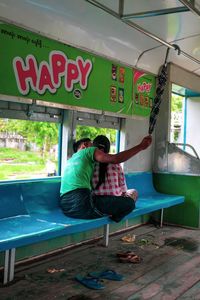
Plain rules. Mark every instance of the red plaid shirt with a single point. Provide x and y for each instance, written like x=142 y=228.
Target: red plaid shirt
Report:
x=114 y=183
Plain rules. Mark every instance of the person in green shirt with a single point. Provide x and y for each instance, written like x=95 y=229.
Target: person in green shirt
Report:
x=77 y=200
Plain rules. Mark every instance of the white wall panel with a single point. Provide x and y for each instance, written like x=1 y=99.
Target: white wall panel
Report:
x=136 y=130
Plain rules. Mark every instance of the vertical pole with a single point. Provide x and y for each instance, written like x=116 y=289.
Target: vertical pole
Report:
x=185 y=124
x=121 y=8
x=161 y=217
x=9 y=265
x=6 y=266
x=59 y=148
x=118 y=141
x=106 y=235
x=12 y=264
x=67 y=137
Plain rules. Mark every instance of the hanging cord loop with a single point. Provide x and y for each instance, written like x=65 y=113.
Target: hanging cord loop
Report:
x=162 y=79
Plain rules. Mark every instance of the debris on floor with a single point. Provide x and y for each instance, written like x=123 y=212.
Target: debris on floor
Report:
x=129 y=238
x=54 y=270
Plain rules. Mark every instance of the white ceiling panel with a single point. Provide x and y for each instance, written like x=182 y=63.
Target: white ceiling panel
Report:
x=145 y=62
x=81 y=24
x=87 y=25
x=171 y=27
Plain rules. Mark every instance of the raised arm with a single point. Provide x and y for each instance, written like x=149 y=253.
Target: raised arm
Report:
x=120 y=157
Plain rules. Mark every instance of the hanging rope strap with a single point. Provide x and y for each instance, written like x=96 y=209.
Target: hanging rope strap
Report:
x=162 y=79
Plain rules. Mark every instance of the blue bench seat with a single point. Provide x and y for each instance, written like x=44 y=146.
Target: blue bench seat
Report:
x=30 y=213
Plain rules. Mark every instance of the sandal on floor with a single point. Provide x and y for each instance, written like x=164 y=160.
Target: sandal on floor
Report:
x=90 y=282
x=108 y=274
x=125 y=254
x=134 y=259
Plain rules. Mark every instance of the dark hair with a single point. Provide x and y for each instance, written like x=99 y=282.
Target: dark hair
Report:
x=102 y=142
x=78 y=143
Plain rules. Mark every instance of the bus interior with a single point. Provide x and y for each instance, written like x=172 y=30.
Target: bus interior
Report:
x=133 y=39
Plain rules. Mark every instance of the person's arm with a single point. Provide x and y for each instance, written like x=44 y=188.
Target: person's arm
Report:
x=100 y=156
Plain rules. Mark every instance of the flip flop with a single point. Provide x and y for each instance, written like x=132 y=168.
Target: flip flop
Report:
x=135 y=259
x=108 y=274
x=125 y=254
x=90 y=282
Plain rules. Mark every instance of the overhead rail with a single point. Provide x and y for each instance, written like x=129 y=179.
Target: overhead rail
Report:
x=153 y=13
x=120 y=16
x=191 y=6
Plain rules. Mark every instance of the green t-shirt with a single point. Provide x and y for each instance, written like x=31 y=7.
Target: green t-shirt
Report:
x=78 y=171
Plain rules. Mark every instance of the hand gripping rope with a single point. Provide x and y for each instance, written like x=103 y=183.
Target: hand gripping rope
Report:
x=162 y=79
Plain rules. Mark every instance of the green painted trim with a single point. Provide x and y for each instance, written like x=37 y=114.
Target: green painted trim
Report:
x=188 y=213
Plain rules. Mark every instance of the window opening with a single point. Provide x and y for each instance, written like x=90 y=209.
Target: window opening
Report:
x=177 y=118
x=28 y=149
x=91 y=132
x=185 y=109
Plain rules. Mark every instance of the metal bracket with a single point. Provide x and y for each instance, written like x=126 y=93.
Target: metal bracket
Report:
x=176 y=47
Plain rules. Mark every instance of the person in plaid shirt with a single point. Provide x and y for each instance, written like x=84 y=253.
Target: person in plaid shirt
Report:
x=76 y=197
x=109 y=179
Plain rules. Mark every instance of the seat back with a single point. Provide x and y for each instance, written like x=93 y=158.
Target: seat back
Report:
x=11 y=200
x=29 y=196
x=42 y=195
x=142 y=182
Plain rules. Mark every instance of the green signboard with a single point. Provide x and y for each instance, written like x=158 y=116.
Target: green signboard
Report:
x=36 y=67
x=143 y=93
